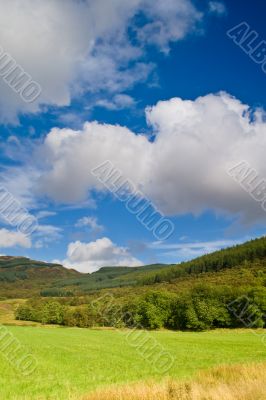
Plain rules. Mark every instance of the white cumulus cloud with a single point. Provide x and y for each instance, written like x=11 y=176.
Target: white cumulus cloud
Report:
x=89 y=257
x=13 y=239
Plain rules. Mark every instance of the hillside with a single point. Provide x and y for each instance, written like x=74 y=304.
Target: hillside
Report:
x=108 y=277
x=220 y=260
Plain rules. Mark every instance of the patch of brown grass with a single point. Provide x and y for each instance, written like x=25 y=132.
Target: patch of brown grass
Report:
x=238 y=382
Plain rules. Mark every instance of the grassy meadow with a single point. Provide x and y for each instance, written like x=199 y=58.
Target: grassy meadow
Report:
x=74 y=362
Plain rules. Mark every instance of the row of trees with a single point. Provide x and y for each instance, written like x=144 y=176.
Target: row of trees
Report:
x=201 y=308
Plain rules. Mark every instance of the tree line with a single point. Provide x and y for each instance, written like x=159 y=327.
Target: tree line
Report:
x=202 y=307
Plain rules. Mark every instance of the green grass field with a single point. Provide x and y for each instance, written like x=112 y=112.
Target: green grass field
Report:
x=73 y=362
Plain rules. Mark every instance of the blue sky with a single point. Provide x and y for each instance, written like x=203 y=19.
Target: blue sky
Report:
x=159 y=90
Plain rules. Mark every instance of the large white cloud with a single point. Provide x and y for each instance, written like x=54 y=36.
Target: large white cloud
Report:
x=73 y=46
x=182 y=171
x=89 y=257
x=13 y=239
x=197 y=142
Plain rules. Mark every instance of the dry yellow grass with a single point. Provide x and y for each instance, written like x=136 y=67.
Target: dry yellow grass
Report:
x=239 y=382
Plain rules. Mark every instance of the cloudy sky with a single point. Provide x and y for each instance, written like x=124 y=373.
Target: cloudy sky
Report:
x=159 y=90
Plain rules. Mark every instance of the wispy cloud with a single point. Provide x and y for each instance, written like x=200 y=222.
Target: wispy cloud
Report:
x=47 y=234
x=45 y=214
x=184 y=251
x=118 y=102
x=217 y=7
x=90 y=223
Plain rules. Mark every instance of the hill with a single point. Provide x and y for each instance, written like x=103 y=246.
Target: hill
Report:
x=22 y=277
x=252 y=252
x=107 y=277
x=220 y=260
